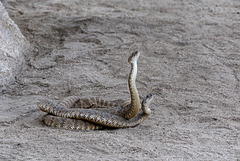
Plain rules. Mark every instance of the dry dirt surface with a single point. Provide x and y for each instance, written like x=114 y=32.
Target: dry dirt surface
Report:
x=190 y=60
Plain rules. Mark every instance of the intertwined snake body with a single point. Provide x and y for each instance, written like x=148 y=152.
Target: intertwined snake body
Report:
x=93 y=116
x=102 y=113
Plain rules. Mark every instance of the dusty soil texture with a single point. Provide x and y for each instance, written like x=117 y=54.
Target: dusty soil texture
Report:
x=190 y=60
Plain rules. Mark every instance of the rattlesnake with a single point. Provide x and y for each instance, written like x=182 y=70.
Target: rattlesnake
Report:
x=113 y=115
x=135 y=102
x=96 y=119
x=128 y=109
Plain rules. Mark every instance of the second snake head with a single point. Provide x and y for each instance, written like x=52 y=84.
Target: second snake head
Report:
x=134 y=57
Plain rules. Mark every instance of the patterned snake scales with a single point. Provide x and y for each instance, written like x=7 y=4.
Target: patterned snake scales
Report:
x=74 y=112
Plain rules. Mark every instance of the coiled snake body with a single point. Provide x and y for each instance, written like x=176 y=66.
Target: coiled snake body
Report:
x=93 y=113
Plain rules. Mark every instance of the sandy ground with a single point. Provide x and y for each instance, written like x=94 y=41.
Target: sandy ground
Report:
x=190 y=60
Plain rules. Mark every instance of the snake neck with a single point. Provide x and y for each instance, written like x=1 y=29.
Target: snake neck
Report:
x=135 y=102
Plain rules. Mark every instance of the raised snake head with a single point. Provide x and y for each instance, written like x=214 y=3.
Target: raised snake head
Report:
x=146 y=102
x=134 y=57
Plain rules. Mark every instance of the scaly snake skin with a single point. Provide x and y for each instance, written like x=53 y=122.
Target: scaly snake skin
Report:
x=100 y=113
x=92 y=116
x=96 y=104
x=135 y=102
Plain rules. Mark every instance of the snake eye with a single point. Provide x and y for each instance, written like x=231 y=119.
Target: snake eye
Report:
x=150 y=95
x=133 y=56
x=135 y=53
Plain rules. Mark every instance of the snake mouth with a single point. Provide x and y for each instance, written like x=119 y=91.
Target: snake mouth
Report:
x=134 y=57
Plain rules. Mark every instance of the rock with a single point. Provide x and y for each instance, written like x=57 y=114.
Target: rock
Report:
x=12 y=46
